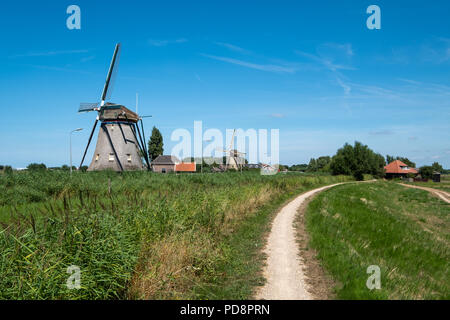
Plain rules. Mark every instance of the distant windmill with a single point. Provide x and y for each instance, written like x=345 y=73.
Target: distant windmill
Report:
x=120 y=144
x=234 y=159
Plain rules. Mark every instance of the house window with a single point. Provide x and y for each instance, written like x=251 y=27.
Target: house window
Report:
x=97 y=157
x=128 y=157
x=111 y=157
x=163 y=170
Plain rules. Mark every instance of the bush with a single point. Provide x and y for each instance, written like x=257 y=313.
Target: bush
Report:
x=357 y=160
x=426 y=172
x=36 y=166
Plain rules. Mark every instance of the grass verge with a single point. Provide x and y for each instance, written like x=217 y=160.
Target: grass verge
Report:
x=403 y=231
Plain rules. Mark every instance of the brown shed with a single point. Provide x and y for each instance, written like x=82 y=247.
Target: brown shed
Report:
x=164 y=164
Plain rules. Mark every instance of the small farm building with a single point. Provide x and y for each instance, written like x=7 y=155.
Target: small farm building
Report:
x=165 y=164
x=398 y=169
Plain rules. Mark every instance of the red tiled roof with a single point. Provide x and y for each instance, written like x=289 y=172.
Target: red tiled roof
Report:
x=396 y=167
x=185 y=167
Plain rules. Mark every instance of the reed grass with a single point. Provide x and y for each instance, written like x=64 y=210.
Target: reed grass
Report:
x=147 y=236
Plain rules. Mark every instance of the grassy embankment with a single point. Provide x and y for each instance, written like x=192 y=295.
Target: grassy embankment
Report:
x=444 y=185
x=403 y=231
x=154 y=236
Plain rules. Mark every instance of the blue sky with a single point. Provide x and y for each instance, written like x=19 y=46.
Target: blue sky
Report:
x=309 y=68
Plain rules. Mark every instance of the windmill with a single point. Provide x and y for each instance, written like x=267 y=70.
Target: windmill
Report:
x=234 y=159
x=120 y=144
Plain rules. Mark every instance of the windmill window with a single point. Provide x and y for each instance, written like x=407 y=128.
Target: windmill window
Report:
x=111 y=157
x=128 y=157
x=97 y=157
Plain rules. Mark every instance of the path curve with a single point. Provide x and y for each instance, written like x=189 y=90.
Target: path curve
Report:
x=440 y=193
x=284 y=271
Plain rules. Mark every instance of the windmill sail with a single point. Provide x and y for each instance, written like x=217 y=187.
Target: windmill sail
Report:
x=110 y=78
x=86 y=107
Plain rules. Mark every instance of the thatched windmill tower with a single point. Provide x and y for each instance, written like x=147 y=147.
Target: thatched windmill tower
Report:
x=120 y=145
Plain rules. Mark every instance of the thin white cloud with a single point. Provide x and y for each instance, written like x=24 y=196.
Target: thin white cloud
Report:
x=232 y=47
x=86 y=59
x=375 y=90
x=49 y=53
x=325 y=61
x=163 y=43
x=261 y=67
x=346 y=87
x=346 y=48
x=277 y=115
x=52 y=68
x=410 y=81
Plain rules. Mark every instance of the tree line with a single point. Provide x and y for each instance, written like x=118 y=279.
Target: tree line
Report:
x=358 y=160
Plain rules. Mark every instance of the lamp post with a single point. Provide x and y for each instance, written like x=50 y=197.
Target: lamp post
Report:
x=201 y=165
x=79 y=129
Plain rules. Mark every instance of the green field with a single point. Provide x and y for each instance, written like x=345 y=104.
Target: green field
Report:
x=138 y=235
x=404 y=231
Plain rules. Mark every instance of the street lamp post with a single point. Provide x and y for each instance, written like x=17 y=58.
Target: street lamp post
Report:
x=79 y=129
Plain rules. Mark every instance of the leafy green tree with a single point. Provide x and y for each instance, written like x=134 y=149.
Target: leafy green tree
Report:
x=323 y=163
x=6 y=169
x=36 y=166
x=312 y=166
x=406 y=161
x=389 y=159
x=437 y=167
x=357 y=160
x=319 y=164
x=155 y=144
x=426 y=172
x=298 y=167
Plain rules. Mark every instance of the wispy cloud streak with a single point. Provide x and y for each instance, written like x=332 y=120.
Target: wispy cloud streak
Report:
x=163 y=43
x=48 y=53
x=261 y=67
x=232 y=47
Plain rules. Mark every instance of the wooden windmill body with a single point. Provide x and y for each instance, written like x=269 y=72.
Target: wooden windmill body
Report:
x=234 y=159
x=120 y=144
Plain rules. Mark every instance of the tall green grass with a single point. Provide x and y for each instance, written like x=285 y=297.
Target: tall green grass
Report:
x=115 y=227
x=403 y=231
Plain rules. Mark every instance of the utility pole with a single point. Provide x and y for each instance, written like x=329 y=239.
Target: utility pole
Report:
x=70 y=147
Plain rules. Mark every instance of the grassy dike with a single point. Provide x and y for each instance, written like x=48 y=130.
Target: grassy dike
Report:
x=138 y=235
x=403 y=231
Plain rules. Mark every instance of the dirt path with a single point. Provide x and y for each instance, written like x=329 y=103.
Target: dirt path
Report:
x=285 y=270
x=440 y=193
